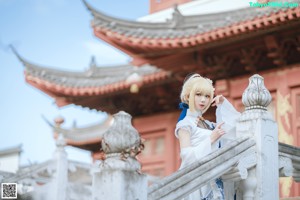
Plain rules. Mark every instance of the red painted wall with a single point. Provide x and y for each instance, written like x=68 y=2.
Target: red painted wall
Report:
x=161 y=154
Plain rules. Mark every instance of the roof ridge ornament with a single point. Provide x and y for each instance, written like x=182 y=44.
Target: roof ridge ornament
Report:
x=93 y=63
x=177 y=17
x=60 y=140
x=92 y=68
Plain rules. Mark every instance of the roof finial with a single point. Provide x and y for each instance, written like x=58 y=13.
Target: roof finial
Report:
x=74 y=125
x=177 y=17
x=93 y=63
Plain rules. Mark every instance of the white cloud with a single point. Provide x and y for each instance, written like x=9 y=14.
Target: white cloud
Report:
x=105 y=54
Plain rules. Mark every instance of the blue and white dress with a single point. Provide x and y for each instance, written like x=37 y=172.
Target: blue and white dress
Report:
x=201 y=146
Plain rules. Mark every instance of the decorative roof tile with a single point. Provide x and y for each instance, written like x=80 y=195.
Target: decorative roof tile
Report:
x=77 y=135
x=221 y=25
x=93 y=81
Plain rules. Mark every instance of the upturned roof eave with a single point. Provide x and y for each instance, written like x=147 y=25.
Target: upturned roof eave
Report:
x=201 y=22
x=32 y=68
x=177 y=22
x=93 y=81
x=81 y=134
x=144 y=48
x=114 y=20
x=56 y=91
x=169 y=37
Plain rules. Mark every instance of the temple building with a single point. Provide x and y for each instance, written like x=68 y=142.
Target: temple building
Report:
x=226 y=45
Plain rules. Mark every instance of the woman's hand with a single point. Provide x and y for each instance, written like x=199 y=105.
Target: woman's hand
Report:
x=217 y=100
x=217 y=133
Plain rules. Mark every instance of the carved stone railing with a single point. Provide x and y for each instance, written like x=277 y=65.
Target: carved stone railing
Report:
x=263 y=181
x=189 y=179
x=289 y=161
x=242 y=175
x=119 y=174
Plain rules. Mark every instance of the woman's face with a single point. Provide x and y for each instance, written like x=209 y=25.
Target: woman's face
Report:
x=201 y=101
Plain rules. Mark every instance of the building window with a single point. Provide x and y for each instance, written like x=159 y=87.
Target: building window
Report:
x=147 y=149
x=159 y=146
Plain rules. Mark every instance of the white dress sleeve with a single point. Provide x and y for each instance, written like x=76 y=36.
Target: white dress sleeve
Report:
x=228 y=114
x=184 y=126
x=188 y=156
x=200 y=143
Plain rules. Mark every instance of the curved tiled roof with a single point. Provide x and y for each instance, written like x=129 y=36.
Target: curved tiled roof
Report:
x=185 y=31
x=93 y=77
x=78 y=136
x=93 y=81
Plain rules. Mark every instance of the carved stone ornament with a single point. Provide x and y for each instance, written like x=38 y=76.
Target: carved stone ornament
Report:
x=256 y=96
x=122 y=136
x=246 y=163
x=285 y=166
x=120 y=145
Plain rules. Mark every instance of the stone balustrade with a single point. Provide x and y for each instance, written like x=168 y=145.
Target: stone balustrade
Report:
x=189 y=179
x=250 y=165
x=119 y=175
x=289 y=161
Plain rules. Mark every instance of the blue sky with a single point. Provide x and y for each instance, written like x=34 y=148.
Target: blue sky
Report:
x=53 y=33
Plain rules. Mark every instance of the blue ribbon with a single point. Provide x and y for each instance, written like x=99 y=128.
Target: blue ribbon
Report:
x=183 y=107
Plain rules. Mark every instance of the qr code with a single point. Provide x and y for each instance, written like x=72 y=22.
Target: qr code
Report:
x=9 y=191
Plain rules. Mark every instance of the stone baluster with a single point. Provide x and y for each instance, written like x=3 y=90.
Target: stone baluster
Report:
x=262 y=182
x=60 y=177
x=118 y=176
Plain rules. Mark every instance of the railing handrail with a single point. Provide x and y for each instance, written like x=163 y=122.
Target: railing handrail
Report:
x=289 y=161
x=189 y=179
x=288 y=149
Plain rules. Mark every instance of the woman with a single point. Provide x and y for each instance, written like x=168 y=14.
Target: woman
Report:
x=199 y=137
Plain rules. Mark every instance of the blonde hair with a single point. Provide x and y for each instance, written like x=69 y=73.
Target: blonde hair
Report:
x=193 y=85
